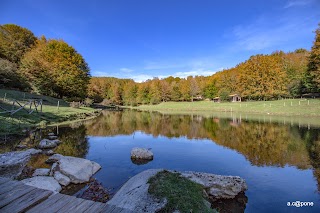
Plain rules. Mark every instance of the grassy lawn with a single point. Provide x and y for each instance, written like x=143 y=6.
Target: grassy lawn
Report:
x=287 y=107
x=181 y=193
x=50 y=113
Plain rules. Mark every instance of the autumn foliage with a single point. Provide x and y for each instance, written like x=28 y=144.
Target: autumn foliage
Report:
x=53 y=67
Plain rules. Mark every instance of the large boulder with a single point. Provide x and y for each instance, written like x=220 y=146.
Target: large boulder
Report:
x=12 y=163
x=218 y=186
x=134 y=195
x=141 y=153
x=79 y=170
x=47 y=144
x=43 y=182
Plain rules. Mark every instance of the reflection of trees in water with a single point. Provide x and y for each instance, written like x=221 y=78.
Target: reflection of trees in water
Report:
x=312 y=137
x=265 y=144
x=262 y=144
x=74 y=141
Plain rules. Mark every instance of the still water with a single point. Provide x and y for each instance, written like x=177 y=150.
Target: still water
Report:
x=280 y=162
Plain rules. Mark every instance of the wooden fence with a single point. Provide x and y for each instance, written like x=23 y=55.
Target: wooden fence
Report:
x=29 y=106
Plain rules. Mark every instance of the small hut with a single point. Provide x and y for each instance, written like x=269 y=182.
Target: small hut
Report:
x=217 y=100
x=235 y=98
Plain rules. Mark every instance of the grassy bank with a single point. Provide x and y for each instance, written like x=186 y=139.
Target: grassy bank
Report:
x=181 y=193
x=286 y=107
x=50 y=112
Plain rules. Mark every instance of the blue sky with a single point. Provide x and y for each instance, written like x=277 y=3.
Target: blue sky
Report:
x=142 y=39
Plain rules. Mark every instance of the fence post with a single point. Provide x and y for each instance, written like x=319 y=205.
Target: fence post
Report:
x=5 y=96
x=58 y=105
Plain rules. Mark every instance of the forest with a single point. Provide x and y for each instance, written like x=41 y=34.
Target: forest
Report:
x=54 y=68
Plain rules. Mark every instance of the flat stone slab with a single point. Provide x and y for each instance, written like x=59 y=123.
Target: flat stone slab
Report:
x=12 y=163
x=43 y=182
x=79 y=170
x=141 y=153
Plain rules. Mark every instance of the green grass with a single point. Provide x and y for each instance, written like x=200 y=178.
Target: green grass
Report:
x=50 y=113
x=286 y=107
x=181 y=193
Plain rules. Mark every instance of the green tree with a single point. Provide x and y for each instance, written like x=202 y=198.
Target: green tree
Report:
x=15 y=41
x=314 y=64
x=10 y=77
x=55 y=68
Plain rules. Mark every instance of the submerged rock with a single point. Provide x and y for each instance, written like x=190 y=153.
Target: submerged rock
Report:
x=12 y=163
x=141 y=153
x=61 y=178
x=43 y=182
x=41 y=172
x=139 y=161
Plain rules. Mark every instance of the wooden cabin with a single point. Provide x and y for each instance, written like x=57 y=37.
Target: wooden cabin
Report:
x=235 y=98
x=217 y=100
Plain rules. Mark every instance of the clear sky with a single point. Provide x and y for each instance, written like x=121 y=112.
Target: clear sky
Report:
x=142 y=39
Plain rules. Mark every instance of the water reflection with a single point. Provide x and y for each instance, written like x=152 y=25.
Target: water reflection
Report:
x=263 y=144
x=281 y=162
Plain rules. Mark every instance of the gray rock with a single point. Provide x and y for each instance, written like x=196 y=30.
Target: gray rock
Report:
x=54 y=167
x=57 y=141
x=61 y=178
x=49 y=152
x=50 y=134
x=134 y=195
x=79 y=170
x=54 y=158
x=218 y=186
x=47 y=144
x=12 y=163
x=43 y=182
x=41 y=172
x=52 y=137
x=141 y=153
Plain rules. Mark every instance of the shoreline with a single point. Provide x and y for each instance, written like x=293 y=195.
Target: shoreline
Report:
x=27 y=127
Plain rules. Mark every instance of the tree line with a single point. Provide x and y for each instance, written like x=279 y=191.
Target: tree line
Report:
x=53 y=67
x=44 y=66
x=261 y=77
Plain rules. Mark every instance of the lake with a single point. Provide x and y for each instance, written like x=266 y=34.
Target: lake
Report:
x=280 y=161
